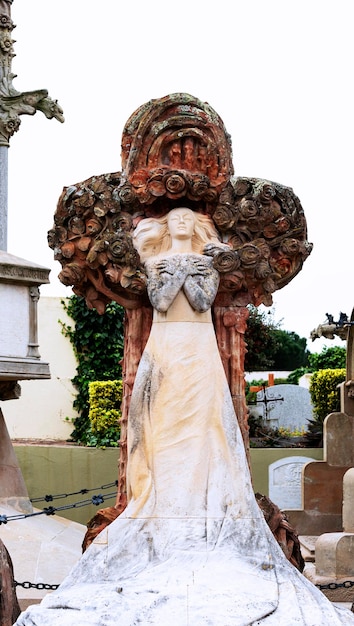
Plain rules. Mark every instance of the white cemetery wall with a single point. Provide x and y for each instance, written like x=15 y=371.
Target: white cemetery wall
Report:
x=44 y=405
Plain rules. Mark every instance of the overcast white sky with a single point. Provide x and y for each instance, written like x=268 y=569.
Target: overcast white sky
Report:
x=278 y=72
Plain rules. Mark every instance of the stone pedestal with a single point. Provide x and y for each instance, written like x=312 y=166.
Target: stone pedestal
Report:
x=13 y=489
x=328 y=498
x=323 y=480
x=335 y=555
x=19 y=359
x=348 y=501
x=19 y=294
x=334 y=552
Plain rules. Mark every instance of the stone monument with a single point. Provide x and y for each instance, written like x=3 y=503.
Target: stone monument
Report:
x=323 y=480
x=176 y=150
x=328 y=486
x=19 y=279
x=285 y=406
x=19 y=293
x=285 y=485
x=184 y=246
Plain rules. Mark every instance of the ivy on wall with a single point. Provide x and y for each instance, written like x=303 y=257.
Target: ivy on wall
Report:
x=97 y=341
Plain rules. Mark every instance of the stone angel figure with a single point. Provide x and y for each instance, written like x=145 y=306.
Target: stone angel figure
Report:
x=192 y=545
x=176 y=153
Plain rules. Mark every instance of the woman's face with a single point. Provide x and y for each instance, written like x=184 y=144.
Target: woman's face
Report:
x=180 y=223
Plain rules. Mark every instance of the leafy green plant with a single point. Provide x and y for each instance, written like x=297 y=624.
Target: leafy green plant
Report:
x=97 y=341
x=291 y=351
x=105 y=398
x=270 y=347
x=325 y=399
x=260 y=340
x=295 y=375
x=331 y=357
x=324 y=391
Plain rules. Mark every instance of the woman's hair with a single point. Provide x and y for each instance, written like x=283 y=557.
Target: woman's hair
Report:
x=151 y=236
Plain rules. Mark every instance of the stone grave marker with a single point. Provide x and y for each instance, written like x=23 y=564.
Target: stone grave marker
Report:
x=286 y=406
x=285 y=483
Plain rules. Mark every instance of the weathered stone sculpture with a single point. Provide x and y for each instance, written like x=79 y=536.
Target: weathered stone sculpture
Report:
x=330 y=328
x=192 y=545
x=19 y=279
x=14 y=103
x=176 y=152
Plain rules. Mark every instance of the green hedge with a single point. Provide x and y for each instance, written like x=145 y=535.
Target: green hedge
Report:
x=325 y=393
x=105 y=399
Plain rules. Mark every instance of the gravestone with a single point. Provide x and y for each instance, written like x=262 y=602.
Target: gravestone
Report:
x=285 y=481
x=285 y=406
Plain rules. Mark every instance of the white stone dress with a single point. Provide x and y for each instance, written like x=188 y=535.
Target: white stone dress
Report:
x=192 y=547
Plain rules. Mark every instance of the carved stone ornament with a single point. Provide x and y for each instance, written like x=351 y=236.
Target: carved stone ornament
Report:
x=176 y=152
x=9 y=390
x=347 y=389
x=19 y=294
x=14 y=103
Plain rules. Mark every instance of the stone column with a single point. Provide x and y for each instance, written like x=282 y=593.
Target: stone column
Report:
x=13 y=104
x=3 y=196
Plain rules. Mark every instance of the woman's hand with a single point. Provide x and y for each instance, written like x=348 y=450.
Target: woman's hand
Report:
x=198 y=268
x=164 y=267
x=211 y=249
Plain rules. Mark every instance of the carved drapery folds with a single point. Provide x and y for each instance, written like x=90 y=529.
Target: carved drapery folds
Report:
x=176 y=152
x=230 y=327
x=136 y=332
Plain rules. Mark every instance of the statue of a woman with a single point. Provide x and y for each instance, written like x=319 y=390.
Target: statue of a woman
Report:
x=192 y=546
x=175 y=438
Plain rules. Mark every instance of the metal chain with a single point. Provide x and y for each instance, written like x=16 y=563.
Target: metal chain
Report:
x=51 y=510
x=347 y=584
x=47 y=587
x=27 y=585
x=50 y=497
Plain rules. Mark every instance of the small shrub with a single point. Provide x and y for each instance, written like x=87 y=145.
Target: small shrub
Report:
x=255 y=425
x=295 y=375
x=331 y=357
x=288 y=434
x=105 y=399
x=324 y=391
